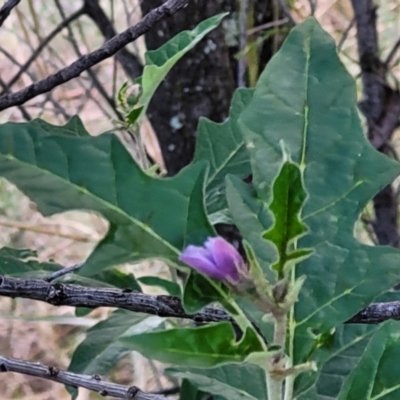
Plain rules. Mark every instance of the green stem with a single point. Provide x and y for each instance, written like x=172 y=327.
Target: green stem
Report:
x=275 y=386
x=289 y=383
x=243 y=322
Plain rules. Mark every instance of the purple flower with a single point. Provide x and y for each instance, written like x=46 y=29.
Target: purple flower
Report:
x=217 y=258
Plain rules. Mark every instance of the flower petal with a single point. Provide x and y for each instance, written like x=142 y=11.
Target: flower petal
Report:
x=200 y=259
x=226 y=257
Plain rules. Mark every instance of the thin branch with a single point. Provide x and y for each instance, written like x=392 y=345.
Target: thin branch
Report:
x=62 y=272
x=45 y=231
x=89 y=60
x=31 y=76
x=43 y=44
x=392 y=53
x=286 y=11
x=96 y=82
x=345 y=34
x=59 y=294
x=24 y=113
x=268 y=25
x=93 y=382
x=128 y=61
x=6 y=9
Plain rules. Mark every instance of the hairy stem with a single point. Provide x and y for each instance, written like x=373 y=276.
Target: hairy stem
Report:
x=274 y=384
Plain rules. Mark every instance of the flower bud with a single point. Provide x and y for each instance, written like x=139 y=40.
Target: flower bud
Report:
x=217 y=258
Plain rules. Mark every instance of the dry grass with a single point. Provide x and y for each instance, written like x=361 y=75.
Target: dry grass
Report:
x=70 y=237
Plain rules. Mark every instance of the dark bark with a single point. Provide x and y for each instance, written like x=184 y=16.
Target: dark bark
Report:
x=201 y=84
x=381 y=107
x=128 y=61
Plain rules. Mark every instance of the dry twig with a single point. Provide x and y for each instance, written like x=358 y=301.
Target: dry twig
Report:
x=93 y=382
x=6 y=9
x=89 y=60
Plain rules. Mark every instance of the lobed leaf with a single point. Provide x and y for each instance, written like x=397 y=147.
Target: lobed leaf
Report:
x=338 y=354
x=148 y=217
x=222 y=146
x=377 y=375
x=288 y=197
x=306 y=99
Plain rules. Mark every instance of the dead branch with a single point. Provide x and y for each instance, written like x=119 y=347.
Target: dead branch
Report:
x=93 y=383
x=6 y=9
x=59 y=294
x=128 y=61
x=42 y=45
x=87 y=61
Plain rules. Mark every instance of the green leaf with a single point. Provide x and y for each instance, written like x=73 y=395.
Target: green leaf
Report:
x=337 y=357
x=377 y=375
x=287 y=201
x=252 y=218
x=149 y=217
x=313 y=109
x=232 y=382
x=159 y=62
x=134 y=115
x=203 y=347
x=199 y=291
x=99 y=352
x=23 y=262
x=222 y=146
x=171 y=288
x=190 y=392
x=108 y=278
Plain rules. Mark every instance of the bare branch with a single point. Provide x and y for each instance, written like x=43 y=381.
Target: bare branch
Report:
x=128 y=61
x=62 y=272
x=286 y=11
x=345 y=34
x=59 y=294
x=96 y=82
x=6 y=9
x=392 y=53
x=89 y=60
x=43 y=44
x=268 y=25
x=93 y=383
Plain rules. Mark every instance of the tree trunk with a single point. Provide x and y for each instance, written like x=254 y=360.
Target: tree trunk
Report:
x=203 y=82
